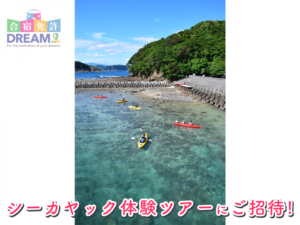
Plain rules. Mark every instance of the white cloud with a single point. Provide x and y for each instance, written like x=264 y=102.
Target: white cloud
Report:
x=114 y=47
x=117 y=47
x=79 y=43
x=98 y=35
x=157 y=20
x=96 y=54
x=144 y=39
x=87 y=54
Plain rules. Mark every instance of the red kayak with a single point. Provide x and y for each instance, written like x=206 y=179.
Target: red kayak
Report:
x=186 y=125
x=100 y=97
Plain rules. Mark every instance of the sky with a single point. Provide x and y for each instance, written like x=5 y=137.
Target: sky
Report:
x=110 y=32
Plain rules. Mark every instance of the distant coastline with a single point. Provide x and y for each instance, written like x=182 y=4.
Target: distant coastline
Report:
x=83 y=71
x=81 y=68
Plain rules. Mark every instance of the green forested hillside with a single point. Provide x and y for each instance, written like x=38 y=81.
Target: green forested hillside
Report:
x=200 y=50
x=81 y=66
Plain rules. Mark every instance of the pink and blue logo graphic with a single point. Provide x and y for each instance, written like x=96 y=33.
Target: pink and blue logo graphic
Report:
x=33 y=24
x=34 y=13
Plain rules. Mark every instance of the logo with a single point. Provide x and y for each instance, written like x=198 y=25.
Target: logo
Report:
x=35 y=28
x=55 y=36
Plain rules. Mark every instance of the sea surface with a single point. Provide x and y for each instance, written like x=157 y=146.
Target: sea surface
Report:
x=178 y=164
x=100 y=75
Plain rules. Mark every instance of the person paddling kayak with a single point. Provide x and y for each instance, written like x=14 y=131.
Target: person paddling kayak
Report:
x=136 y=106
x=191 y=123
x=183 y=122
x=123 y=99
x=143 y=139
x=186 y=125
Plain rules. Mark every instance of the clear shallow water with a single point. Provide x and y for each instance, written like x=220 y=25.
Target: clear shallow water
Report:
x=101 y=75
x=179 y=164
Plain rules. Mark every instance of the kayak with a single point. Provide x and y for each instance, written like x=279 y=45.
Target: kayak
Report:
x=122 y=101
x=133 y=107
x=187 y=125
x=100 y=97
x=140 y=145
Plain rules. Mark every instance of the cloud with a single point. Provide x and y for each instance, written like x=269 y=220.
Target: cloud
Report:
x=98 y=35
x=96 y=54
x=144 y=39
x=177 y=31
x=79 y=43
x=114 y=47
x=87 y=54
x=117 y=47
x=157 y=20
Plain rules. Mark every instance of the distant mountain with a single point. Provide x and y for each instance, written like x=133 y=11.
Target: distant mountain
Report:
x=112 y=67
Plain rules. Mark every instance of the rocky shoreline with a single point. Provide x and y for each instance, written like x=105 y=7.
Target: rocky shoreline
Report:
x=152 y=94
x=204 y=90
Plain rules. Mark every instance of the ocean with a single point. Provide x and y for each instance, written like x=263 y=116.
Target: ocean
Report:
x=178 y=164
x=100 y=75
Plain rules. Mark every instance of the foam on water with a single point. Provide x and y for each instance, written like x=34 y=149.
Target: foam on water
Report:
x=100 y=75
x=179 y=164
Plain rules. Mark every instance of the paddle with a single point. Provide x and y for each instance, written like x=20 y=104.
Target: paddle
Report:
x=133 y=138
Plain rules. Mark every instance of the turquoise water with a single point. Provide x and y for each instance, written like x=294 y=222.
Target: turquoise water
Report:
x=179 y=164
x=101 y=75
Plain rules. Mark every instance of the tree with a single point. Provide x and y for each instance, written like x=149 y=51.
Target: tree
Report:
x=199 y=50
x=217 y=67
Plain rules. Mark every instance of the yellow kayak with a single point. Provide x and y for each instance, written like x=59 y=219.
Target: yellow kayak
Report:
x=140 y=145
x=133 y=107
x=122 y=101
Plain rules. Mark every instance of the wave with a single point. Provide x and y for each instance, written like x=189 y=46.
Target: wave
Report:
x=110 y=76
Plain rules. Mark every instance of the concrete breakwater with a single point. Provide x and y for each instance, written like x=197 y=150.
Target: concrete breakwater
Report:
x=97 y=84
x=208 y=90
